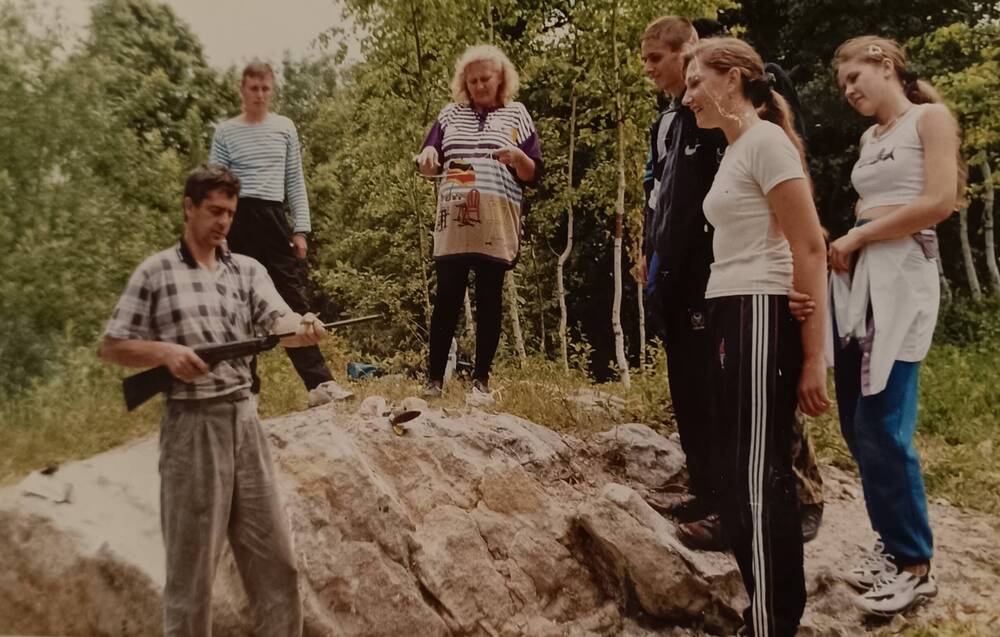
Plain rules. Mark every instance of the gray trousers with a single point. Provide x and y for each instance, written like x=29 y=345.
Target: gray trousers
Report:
x=216 y=481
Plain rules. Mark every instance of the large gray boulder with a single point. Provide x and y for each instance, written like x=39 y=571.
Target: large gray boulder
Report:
x=467 y=524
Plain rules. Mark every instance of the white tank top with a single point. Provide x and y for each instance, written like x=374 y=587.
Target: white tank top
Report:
x=890 y=167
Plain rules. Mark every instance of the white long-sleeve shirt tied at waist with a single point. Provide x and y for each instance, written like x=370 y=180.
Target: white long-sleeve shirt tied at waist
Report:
x=889 y=305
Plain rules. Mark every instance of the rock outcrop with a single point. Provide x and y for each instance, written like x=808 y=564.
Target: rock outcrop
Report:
x=451 y=524
x=467 y=524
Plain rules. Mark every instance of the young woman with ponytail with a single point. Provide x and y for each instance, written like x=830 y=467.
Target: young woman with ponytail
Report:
x=885 y=302
x=765 y=363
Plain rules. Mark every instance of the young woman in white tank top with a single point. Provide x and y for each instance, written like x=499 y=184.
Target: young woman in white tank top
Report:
x=885 y=301
x=764 y=364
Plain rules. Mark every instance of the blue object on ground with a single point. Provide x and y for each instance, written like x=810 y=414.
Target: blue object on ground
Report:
x=358 y=371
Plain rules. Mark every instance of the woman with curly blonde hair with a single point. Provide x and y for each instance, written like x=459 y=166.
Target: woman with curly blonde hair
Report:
x=489 y=150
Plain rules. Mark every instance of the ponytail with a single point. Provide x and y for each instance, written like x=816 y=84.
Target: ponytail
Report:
x=777 y=111
x=917 y=90
x=723 y=54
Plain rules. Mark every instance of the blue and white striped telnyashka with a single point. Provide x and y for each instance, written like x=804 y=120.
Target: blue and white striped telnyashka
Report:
x=266 y=158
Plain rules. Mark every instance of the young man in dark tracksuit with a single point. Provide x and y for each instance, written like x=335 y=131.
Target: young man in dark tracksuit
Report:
x=677 y=247
x=677 y=250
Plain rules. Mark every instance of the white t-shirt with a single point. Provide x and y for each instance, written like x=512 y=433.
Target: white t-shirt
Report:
x=751 y=253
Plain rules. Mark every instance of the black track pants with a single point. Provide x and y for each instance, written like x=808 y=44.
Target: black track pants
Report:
x=261 y=231
x=685 y=339
x=753 y=377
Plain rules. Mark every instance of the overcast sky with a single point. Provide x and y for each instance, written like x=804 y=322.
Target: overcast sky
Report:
x=236 y=31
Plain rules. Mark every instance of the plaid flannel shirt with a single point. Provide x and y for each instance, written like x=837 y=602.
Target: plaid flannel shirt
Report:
x=171 y=298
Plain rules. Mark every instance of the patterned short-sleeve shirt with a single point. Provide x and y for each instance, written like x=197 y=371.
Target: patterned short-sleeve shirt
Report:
x=171 y=298
x=479 y=201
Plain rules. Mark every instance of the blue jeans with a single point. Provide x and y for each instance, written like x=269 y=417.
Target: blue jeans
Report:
x=879 y=432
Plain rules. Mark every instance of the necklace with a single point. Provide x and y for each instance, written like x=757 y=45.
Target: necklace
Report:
x=891 y=123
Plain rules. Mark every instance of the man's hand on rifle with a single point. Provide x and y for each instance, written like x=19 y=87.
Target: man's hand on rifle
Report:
x=182 y=362
x=308 y=329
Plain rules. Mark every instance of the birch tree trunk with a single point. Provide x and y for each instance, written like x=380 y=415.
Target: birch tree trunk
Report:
x=641 y=303
x=418 y=53
x=470 y=323
x=544 y=339
x=616 y=309
x=422 y=246
x=970 y=265
x=515 y=317
x=561 y=263
x=489 y=20
x=988 y=232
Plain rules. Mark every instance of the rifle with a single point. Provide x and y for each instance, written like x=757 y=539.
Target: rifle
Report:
x=138 y=388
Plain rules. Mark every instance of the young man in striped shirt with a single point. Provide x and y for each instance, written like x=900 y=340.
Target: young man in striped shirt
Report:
x=262 y=149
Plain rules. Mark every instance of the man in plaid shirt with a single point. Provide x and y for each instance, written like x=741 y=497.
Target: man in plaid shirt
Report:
x=217 y=478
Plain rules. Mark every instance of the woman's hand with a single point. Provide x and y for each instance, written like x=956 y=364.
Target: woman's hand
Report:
x=511 y=156
x=800 y=305
x=813 y=400
x=842 y=249
x=517 y=159
x=428 y=162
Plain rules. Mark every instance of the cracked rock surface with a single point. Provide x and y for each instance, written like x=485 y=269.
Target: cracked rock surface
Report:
x=467 y=524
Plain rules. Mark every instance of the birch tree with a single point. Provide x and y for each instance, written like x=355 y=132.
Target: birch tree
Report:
x=988 y=228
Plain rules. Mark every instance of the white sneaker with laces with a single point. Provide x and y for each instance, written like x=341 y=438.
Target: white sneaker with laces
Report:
x=326 y=392
x=863 y=576
x=894 y=591
x=480 y=395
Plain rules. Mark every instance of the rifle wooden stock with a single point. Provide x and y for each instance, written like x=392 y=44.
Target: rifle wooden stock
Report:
x=138 y=388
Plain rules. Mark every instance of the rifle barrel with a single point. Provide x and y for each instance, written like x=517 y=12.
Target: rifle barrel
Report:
x=342 y=323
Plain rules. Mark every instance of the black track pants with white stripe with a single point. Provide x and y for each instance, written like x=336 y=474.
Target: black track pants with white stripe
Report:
x=754 y=374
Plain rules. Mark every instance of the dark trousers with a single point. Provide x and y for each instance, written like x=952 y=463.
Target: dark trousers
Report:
x=682 y=326
x=452 y=279
x=753 y=378
x=261 y=231
x=685 y=339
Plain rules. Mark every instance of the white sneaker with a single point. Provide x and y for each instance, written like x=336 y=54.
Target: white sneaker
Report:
x=432 y=389
x=480 y=395
x=895 y=591
x=863 y=576
x=326 y=392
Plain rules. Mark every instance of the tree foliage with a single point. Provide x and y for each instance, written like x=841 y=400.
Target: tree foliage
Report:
x=89 y=187
x=98 y=138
